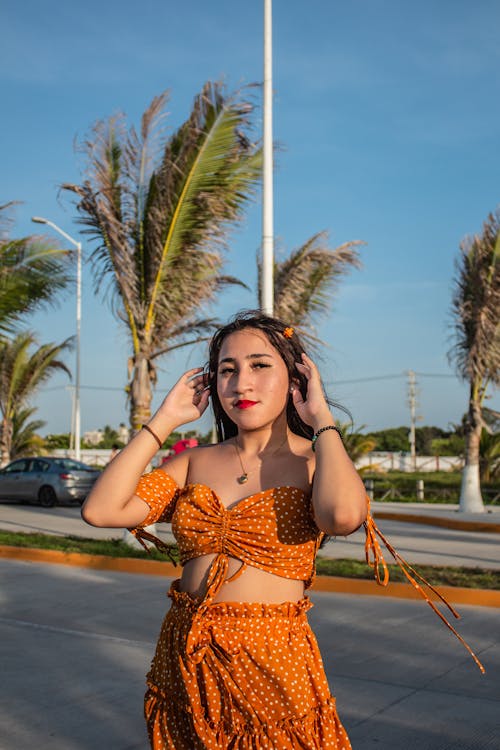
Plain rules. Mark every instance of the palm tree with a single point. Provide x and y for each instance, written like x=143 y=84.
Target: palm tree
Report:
x=305 y=282
x=32 y=271
x=489 y=456
x=476 y=351
x=160 y=209
x=357 y=444
x=21 y=373
x=25 y=441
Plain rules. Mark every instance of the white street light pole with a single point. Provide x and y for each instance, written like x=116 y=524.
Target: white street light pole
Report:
x=267 y=301
x=78 y=245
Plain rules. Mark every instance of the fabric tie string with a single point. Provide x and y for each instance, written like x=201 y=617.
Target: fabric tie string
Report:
x=200 y=635
x=142 y=536
x=376 y=561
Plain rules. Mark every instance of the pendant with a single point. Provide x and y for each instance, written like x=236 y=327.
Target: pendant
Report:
x=243 y=479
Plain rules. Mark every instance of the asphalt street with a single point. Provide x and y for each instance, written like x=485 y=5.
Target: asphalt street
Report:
x=75 y=646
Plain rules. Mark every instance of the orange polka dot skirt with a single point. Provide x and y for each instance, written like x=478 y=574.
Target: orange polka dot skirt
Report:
x=239 y=676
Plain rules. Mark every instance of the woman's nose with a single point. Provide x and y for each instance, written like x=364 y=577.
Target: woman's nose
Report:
x=242 y=381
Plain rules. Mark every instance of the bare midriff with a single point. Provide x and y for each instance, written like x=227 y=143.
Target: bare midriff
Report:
x=253 y=585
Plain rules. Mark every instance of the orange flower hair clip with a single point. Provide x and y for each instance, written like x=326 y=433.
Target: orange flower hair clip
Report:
x=288 y=333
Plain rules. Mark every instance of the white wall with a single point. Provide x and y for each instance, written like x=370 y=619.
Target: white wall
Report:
x=383 y=461
x=98 y=456
x=403 y=462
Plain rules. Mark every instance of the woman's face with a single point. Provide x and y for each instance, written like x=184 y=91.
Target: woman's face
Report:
x=252 y=379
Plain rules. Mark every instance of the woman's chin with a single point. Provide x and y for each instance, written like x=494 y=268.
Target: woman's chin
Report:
x=248 y=419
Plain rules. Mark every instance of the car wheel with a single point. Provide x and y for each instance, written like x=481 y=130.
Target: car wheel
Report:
x=47 y=497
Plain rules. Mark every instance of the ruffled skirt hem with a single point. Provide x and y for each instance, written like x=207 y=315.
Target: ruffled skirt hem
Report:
x=318 y=729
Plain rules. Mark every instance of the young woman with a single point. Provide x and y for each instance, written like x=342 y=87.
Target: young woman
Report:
x=237 y=665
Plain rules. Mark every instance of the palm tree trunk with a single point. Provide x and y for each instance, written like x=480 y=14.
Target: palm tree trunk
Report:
x=471 y=500
x=141 y=393
x=5 y=441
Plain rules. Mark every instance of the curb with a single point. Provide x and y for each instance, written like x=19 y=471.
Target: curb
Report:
x=330 y=584
x=447 y=523
x=95 y=562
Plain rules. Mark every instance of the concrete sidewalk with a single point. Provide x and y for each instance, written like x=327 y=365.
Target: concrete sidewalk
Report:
x=76 y=645
x=440 y=514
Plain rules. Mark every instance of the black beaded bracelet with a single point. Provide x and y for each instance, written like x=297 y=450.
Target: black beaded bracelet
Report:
x=148 y=429
x=323 y=429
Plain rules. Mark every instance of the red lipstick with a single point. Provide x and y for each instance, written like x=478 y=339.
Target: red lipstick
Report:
x=244 y=404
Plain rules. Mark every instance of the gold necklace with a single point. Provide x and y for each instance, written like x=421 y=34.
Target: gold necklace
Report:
x=244 y=476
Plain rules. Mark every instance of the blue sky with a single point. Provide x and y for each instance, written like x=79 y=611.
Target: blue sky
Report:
x=387 y=116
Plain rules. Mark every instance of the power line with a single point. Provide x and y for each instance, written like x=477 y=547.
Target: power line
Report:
x=369 y=379
x=391 y=377
x=86 y=387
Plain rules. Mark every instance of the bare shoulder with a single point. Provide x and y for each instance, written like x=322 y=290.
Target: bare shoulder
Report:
x=205 y=455
x=192 y=462
x=177 y=467
x=209 y=460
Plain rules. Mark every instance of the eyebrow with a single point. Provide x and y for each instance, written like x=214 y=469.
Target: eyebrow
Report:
x=249 y=356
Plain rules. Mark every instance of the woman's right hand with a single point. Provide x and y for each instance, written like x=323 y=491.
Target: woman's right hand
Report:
x=186 y=401
x=112 y=502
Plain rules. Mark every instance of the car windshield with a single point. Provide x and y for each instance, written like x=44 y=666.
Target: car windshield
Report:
x=71 y=465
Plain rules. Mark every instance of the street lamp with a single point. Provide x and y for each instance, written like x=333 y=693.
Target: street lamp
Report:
x=78 y=245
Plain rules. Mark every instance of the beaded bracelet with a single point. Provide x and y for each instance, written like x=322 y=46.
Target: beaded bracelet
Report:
x=323 y=429
x=148 y=429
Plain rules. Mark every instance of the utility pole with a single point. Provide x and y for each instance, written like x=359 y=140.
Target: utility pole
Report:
x=412 y=403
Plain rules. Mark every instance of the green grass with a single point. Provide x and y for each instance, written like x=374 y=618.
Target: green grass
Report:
x=108 y=547
x=439 y=576
x=436 y=575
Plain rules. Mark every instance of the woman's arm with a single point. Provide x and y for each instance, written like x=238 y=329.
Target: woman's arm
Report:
x=338 y=494
x=111 y=502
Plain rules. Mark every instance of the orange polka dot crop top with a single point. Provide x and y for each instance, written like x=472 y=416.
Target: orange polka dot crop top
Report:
x=273 y=530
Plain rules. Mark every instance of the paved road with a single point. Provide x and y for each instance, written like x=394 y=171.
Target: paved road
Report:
x=75 y=645
x=417 y=543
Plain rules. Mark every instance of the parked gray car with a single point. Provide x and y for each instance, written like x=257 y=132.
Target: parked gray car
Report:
x=47 y=481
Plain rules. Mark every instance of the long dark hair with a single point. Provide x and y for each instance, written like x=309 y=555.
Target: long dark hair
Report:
x=290 y=349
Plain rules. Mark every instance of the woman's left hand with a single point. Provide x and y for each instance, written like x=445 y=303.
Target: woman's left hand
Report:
x=313 y=409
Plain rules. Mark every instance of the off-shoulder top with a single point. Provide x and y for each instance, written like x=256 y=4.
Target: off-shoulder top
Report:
x=273 y=530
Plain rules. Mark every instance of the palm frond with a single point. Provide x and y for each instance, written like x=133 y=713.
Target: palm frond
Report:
x=208 y=172
x=178 y=335
x=22 y=371
x=32 y=271
x=142 y=155
x=476 y=306
x=306 y=282
x=25 y=441
x=105 y=206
